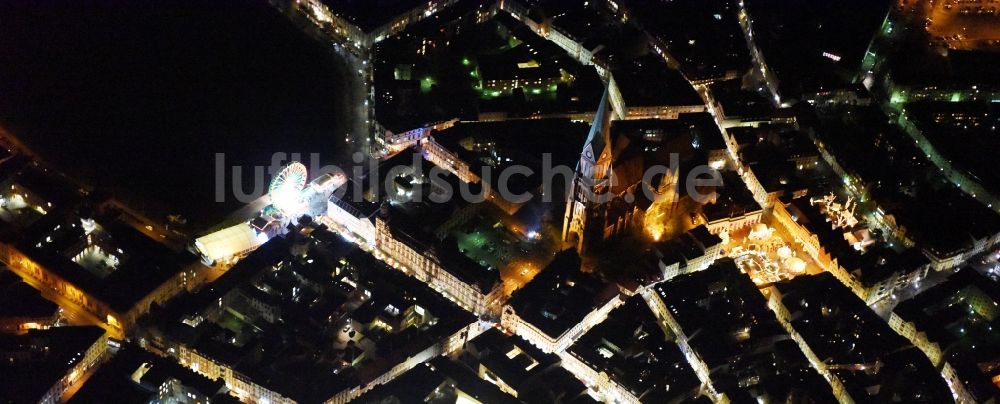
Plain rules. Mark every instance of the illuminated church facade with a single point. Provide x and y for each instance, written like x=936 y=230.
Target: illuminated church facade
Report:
x=605 y=199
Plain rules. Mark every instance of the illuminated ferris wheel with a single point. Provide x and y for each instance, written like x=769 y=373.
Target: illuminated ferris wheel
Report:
x=286 y=187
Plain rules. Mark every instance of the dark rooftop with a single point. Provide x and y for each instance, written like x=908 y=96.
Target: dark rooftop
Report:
x=113 y=381
x=407 y=225
x=918 y=65
x=728 y=324
x=145 y=263
x=632 y=349
x=648 y=81
x=371 y=14
x=837 y=325
x=594 y=27
x=18 y=299
x=498 y=145
x=32 y=363
x=523 y=141
x=737 y=102
x=965 y=133
x=560 y=296
x=438 y=379
x=816 y=45
x=734 y=199
x=959 y=316
x=314 y=295
x=704 y=37
x=444 y=72
x=535 y=375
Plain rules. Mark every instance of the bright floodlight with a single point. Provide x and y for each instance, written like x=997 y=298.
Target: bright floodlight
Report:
x=796 y=265
x=286 y=188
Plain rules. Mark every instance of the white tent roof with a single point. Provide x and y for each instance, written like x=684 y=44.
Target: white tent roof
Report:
x=228 y=242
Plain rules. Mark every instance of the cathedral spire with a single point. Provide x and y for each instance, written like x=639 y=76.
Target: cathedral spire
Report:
x=599 y=136
x=581 y=220
x=595 y=158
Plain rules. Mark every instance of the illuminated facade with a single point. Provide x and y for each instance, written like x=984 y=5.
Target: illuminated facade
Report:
x=661 y=111
x=556 y=343
x=395 y=308
x=692 y=252
x=701 y=369
x=423 y=265
x=117 y=322
x=612 y=193
x=733 y=223
x=600 y=382
x=448 y=346
x=784 y=317
x=934 y=353
x=444 y=158
x=80 y=365
x=351 y=35
x=356 y=218
x=574 y=48
x=968 y=293
x=394 y=143
x=583 y=222
x=240 y=384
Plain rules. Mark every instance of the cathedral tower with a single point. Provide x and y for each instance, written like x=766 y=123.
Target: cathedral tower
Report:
x=591 y=183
